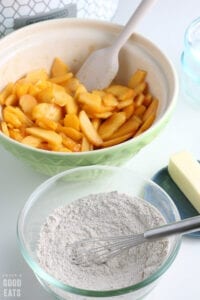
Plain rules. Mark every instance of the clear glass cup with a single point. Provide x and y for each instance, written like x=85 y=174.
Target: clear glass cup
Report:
x=190 y=61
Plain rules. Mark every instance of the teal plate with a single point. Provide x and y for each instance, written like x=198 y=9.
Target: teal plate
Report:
x=185 y=208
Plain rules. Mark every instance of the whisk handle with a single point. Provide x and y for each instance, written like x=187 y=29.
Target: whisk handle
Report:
x=180 y=227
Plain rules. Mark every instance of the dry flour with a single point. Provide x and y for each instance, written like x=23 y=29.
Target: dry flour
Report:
x=100 y=215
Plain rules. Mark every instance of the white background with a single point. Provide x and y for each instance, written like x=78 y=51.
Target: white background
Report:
x=164 y=25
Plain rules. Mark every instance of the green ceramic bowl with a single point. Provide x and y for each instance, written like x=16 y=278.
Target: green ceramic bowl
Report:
x=72 y=40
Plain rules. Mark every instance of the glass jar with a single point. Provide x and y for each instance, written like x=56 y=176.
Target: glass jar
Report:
x=190 y=61
x=18 y=13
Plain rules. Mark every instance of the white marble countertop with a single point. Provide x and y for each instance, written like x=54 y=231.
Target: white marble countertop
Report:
x=164 y=25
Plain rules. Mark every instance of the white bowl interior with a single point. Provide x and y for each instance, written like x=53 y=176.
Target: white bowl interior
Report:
x=73 y=40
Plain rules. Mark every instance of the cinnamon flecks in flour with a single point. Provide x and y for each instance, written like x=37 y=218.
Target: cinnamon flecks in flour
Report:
x=101 y=215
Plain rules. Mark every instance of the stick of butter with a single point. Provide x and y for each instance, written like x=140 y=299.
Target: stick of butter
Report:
x=185 y=171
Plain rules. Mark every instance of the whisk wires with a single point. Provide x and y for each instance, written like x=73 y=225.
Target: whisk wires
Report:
x=100 y=250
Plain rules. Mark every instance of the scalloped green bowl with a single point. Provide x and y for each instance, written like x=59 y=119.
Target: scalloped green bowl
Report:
x=72 y=40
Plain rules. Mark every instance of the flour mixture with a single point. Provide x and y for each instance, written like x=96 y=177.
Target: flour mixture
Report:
x=101 y=215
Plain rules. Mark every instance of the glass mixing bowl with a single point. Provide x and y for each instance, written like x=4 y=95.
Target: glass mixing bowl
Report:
x=79 y=182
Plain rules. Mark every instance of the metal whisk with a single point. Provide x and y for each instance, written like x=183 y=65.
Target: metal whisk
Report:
x=99 y=250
